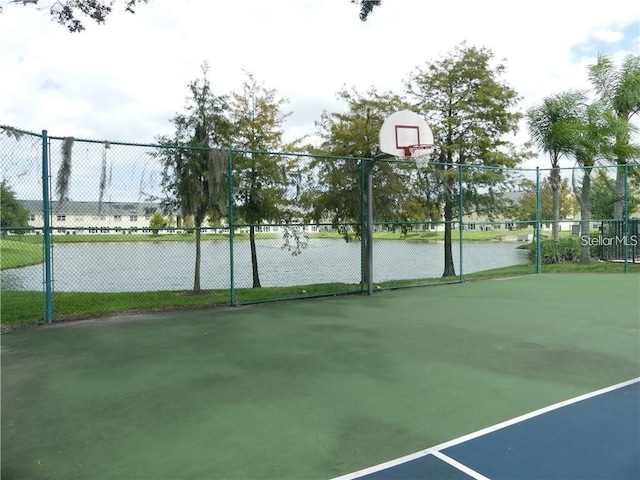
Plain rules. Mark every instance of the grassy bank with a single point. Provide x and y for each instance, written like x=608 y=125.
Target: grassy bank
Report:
x=516 y=271
x=420 y=236
x=17 y=253
x=190 y=236
x=20 y=307
x=139 y=237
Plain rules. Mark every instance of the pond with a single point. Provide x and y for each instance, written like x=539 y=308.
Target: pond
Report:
x=149 y=266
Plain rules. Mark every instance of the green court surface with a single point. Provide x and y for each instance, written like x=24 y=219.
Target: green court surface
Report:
x=307 y=389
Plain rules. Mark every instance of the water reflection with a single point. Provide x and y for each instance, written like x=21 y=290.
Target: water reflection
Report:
x=142 y=266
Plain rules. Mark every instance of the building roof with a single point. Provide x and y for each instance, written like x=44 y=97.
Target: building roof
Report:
x=513 y=196
x=94 y=208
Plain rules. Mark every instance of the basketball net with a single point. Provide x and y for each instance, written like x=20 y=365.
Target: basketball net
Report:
x=420 y=153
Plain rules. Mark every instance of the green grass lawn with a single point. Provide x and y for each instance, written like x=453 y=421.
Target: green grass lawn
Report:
x=516 y=271
x=467 y=235
x=436 y=236
x=420 y=236
x=19 y=307
x=15 y=252
x=140 y=237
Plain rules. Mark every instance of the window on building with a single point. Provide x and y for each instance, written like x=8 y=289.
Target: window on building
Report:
x=117 y=218
x=133 y=218
x=32 y=217
x=61 y=218
x=471 y=226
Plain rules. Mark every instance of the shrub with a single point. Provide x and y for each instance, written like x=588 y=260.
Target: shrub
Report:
x=157 y=222
x=567 y=251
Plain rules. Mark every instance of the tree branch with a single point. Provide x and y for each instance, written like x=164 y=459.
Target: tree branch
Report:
x=366 y=6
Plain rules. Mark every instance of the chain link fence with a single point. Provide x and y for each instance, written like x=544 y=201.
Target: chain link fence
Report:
x=594 y=219
x=291 y=233
x=257 y=226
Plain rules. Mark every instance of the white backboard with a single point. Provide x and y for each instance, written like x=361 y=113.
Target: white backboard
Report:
x=401 y=130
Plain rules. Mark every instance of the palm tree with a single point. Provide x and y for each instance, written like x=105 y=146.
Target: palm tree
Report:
x=619 y=89
x=594 y=140
x=552 y=126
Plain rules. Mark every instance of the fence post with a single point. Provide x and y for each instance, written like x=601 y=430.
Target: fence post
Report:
x=538 y=223
x=369 y=252
x=46 y=212
x=625 y=216
x=370 y=163
x=363 y=227
x=460 y=209
x=232 y=299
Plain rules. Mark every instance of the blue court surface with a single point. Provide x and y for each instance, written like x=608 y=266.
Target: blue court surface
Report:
x=594 y=436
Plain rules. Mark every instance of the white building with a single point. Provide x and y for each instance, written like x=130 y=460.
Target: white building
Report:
x=76 y=218
x=81 y=218
x=71 y=218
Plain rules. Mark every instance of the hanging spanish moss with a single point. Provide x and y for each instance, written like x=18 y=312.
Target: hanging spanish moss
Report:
x=64 y=172
x=103 y=176
x=11 y=132
x=217 y=197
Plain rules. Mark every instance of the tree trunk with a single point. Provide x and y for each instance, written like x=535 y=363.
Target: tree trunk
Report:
x=535 y=233
x=196 y=276
x=254 y=256
x=585 y=218
x=619 y=194
x=622 y=140
x=556 y=183
x=449 y=267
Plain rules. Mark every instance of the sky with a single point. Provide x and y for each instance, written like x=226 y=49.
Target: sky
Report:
x=123 y=81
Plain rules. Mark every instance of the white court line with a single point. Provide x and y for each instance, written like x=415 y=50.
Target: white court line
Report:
x=459 y=466
x=484 y=431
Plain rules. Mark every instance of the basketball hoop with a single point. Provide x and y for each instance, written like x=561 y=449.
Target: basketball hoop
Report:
x=421 y=152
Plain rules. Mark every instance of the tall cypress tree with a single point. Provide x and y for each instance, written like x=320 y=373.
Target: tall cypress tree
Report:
x=470 y=109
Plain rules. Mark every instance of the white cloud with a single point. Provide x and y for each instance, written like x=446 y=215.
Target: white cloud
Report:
x=608 y=35
x=124 y=80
